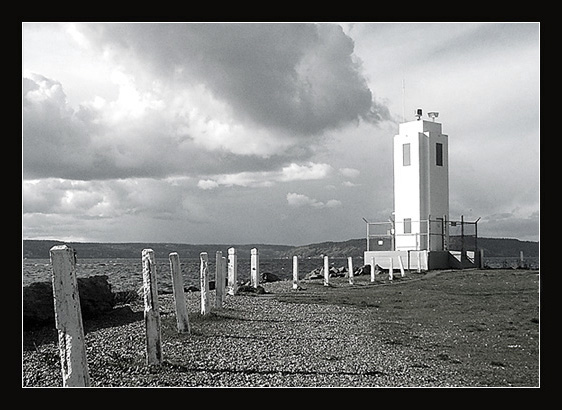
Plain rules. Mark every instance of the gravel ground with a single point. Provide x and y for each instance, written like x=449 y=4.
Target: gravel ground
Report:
x=258 y=340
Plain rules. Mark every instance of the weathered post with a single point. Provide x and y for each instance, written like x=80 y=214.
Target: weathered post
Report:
x=232 y=271
x=151 y=313
x=295 y=272
x=68 y=318
x=391 y=269
x=255 y=268
x=219 y=281
x=350 y=269
x=224 y=268
x=182 y=319
x=372 y=268
x=326 y=271
x=204 y=282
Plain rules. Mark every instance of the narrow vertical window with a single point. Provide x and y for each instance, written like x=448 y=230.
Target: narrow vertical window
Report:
x=407 y=225
x=439 y=154
x=406 y=154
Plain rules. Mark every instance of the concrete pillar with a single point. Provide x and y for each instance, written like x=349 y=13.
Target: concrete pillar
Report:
x=204 y=283
x=182 y=319
x=232 y=271
x=68 y=318
x=151 y=313
x=255 y=268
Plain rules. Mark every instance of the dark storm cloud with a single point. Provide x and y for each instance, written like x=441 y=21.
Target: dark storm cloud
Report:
x=301 y=78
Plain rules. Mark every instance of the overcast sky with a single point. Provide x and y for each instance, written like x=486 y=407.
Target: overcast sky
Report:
x=269 y=133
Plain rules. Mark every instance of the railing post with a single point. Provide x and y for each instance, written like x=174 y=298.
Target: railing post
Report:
x=204 y=283
x=68 y=318
x=182 y=319
x=295 y=272
x=151 y=313
x=254 y=268
x=232 y=271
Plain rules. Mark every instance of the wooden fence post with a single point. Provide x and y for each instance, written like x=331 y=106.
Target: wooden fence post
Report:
x=68 y=318
x=391 y=269
x=350 y=269
x=204 y=282
x=151 y=313
x=219 y=280
x=295 y=272
x=255 y=268
x=182 y=318
x=326 y=271
x=372 y=268
x=232 y=271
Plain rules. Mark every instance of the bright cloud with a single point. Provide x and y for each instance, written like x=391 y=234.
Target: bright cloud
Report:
x=299 y=200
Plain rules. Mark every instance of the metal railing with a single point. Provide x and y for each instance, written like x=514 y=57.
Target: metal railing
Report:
x=428 y=234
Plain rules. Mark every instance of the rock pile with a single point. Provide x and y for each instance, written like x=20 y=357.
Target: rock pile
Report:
x=38 y=305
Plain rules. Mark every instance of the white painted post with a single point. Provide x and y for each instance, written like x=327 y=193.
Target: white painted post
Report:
x=419 y=261
x=401 y=266
x=223 y=274
x=391 y=269
x=68 y=318
x=350 y=269
x=204 y=283
x=232 y=271
x=255 y=268
x=219 y=281
x=326 y=271
x=151 y=313
x=182 y=319
x=372 y=268
x=295 y=272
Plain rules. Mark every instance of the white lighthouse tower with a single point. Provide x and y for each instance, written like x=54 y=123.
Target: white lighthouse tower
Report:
x=417 y=234
x=421 y=185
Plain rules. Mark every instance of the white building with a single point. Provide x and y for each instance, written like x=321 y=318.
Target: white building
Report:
x=417 y=235
x=421 y=185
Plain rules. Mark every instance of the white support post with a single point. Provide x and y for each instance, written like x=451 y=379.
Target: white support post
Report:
x=255 y=268
x=68 y=318
x=219 y=281
x=151 y=313
x=326 y=271
x=295 y=272
x=232 y=271
x=204 y=283
x=182 y=319
x=391 y=269
x=372 y=268
x=350 y=269
x=401 y=266
x=419 y=261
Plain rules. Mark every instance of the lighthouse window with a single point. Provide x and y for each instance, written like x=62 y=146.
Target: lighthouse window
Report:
x=407 y=225
x=406 y=154
x=439 y=154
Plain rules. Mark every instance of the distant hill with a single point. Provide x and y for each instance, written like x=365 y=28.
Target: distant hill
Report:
x=39 y=249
